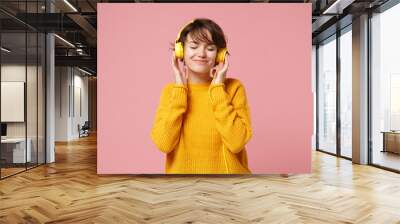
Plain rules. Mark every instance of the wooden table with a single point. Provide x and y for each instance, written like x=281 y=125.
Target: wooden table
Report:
x=391 y=141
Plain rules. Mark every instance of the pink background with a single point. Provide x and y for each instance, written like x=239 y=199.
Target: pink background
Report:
x=270 y=46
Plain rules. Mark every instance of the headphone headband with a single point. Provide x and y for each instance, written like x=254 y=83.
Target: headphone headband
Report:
x=180 y=32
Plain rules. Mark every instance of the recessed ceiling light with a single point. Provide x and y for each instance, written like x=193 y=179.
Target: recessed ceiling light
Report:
x=84 y=71
x=337 y=7
x=64 y=40
x=5 y=49
x=70 y=5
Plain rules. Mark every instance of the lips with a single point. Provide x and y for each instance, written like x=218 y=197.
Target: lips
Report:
x=200 y=61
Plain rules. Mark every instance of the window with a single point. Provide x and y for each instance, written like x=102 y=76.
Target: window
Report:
x=385 y=88
x=346 y=92
x=327 y=95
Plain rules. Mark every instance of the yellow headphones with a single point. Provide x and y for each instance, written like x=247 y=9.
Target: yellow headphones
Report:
x=179 y=47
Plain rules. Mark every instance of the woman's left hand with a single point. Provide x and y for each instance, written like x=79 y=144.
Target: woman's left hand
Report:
x=218 y=73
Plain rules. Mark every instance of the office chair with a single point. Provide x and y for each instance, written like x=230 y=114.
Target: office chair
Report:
x=84 y=130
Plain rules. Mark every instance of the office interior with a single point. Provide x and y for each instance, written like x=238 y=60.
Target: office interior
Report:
x=49 y=77
x=48 y=81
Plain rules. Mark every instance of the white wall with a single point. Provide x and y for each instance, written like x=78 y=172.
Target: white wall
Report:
x=71 y=87
x=62 y=80
x=9 y=73
x=15 y=72
x=81 y=84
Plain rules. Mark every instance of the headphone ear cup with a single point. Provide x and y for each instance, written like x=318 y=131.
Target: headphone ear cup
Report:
x=221 y=55
x=179 y=50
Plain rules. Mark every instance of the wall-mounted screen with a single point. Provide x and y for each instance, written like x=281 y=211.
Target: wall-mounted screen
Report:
x=12 y=101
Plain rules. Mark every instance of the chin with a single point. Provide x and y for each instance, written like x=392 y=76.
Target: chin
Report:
x=201 y=70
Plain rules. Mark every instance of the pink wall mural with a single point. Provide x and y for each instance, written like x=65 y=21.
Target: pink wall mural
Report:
x=270 y=53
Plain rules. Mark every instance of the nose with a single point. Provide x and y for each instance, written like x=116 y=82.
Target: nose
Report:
x=202 y=52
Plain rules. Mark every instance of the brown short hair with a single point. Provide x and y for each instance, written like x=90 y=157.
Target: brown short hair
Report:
x=197 y=30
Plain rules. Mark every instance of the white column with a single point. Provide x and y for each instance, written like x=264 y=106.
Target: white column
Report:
x=50 y=110
x=50 y=91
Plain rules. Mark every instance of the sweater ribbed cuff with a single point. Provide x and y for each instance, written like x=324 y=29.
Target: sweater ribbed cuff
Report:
x=217 y=93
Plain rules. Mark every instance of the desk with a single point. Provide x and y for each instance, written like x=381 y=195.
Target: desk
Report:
x=391 y=141
x=13 y=150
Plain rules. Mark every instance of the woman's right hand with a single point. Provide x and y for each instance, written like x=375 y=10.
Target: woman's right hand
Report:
x=181 y=75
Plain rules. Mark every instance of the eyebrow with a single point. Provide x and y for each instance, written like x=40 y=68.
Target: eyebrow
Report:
x=195 y=42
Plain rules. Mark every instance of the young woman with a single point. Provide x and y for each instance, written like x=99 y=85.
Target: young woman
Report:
x=203 y=119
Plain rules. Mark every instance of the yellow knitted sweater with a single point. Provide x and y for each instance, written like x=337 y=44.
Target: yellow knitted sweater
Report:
x=203 y=128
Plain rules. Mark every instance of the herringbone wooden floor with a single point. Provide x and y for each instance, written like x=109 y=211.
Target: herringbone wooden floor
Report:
x=70 y=191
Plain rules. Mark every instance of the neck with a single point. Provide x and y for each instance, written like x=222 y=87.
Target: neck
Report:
x=195 y=77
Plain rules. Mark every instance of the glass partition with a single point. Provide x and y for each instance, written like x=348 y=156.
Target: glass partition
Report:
x=13 y=108
x=22 y=77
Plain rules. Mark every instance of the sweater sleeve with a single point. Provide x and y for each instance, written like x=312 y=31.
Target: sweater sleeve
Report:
x=232 y=116
x=168 y=120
